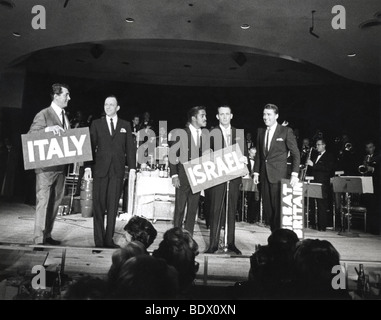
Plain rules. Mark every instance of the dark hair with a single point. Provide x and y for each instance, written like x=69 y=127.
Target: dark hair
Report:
x=283 y=237
x=224 y=106
x=272 y=107
x=193 y=112
x=141 y=230
x=113 y=96
x=179 y=250
x=86 y=288
x=57 y=89
x=369 y=142
x=145 y=278
x=322 y=140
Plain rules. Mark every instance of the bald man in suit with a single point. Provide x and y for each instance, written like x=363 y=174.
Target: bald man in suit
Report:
x=50 y=181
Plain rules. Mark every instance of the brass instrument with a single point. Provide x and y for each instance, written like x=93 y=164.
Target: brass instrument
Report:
x=363 y=169
x=303 y=171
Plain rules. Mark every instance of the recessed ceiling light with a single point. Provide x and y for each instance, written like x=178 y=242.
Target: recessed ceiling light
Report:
x=80 y=60
x=189 y=21
x=187 y=66
x=126 y=63
x=16 y=34
x=130 y=20
x=245 y=26
x=233 y=68
x=7 y=4
x=351 y=55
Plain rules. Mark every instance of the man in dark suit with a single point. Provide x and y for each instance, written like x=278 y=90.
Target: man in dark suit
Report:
x=253 y=203
x=187 y=146
x=222 y=136
x=50 y=181
x=323 y=166
x=273 y=145
x=112 y=142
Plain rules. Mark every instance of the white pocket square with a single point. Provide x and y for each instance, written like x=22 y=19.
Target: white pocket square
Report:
x=123 y=130
x=279 y=139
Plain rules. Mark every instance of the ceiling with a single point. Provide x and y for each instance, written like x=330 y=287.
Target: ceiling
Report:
x=194 y=42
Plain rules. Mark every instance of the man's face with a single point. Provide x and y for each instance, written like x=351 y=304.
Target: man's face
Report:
x=248 y=136
x=200 y=119
x=306 y=142
x=269 y=117
x=369 y=148
x=111 y=106
x=320 y=146
x=62 y=99
x=224 y=116
x=136 y=121
x=252 y=153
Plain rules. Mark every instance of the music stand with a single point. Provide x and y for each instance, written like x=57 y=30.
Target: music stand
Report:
x=348 y=185
x=311 y=190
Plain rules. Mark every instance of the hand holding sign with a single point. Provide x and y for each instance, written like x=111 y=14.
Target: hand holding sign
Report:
x=55 y=129
x=176 y=182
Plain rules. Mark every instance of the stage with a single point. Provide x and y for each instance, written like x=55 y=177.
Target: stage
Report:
x=76 y=234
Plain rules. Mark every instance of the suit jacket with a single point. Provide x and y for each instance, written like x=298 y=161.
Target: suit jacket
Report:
x=186 y=150
x=47 y=118
x=274 y=165
x=118 y=149
x=216 y=136
x=324 y=169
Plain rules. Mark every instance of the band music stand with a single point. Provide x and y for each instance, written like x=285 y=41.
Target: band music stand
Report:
x=348 y=185
x=311 y=190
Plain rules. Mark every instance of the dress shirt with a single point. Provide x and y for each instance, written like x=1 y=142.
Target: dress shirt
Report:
x=227 y=132
x=319 y=156
x=271 y=134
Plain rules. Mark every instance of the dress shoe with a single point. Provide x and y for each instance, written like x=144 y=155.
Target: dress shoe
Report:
x=52 y=242
x=112 y=246
x=211 y=250
x=233 y=248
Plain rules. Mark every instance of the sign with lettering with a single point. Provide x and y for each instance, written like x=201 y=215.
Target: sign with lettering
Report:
x=292 y=213
x=215 y=168
x=44 y=149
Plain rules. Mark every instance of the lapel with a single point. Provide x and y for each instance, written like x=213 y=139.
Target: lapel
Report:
x=117 y=128
x=322 y=156
x=54 y=116
x=275 y=136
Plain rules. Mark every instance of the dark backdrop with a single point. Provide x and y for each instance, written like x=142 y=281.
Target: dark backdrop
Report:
x=352 y=107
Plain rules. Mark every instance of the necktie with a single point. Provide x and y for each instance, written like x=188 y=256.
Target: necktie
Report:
x=63 y=119
x=267 y=141
x=112 y=127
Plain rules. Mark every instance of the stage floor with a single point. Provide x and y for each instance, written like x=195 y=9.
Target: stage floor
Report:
x=76 y=234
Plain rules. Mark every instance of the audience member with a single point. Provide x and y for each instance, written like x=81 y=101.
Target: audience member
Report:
x=141 y=230
x=179 y=250
x=87 y=288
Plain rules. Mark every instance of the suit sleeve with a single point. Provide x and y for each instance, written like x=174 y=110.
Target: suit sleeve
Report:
x=294 y=150
x=39 y=123
x=257 y=155
x=131 y=152
x=174 y=153
x=94 y=143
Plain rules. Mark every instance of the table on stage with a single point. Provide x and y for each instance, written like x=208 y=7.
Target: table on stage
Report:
x=153 y=197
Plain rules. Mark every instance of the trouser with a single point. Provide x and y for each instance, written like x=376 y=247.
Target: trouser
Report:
x=185 y=197
x=271 y=203
x=106 y=194
x=50 y=188
x=218 y=213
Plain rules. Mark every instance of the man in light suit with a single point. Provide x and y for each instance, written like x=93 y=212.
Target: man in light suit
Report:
x=113 y=147
x=222 y=136
x=270 y=167
x=187 y=146
x=50 y=181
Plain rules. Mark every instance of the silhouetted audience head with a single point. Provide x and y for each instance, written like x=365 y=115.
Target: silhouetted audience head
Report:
x=145 y=278
x=314 y=260
x=120 y=256
x=141 y=230
x=87 y=288
x=179 y=249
